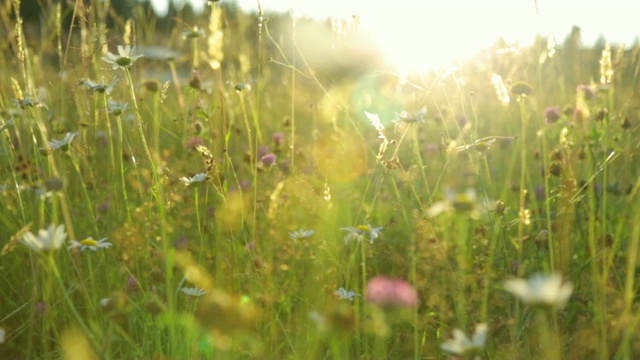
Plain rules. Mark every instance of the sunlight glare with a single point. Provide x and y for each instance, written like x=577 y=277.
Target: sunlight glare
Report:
x=432 y=35
x=415 y=36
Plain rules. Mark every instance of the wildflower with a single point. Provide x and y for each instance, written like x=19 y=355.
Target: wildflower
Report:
x=99 y=86
x=263 y=150
x=319 y=319
x=181 y=243
x=361 y=232
x=132 y=284
x=193 y=33
x=116 y=306
x=587 y=91
x=103 y=207
x=28 y=101
x=301 y=234
x=278 y=139
x=104 y=302
x=193 y=292
x=250 y=247
x=41 y=307
x=49 y=239
x=521 y=88
x=193 y=142
x=242 y=87
x=90 y=244
x=195 y=82
x=541 y=290
x=124 y=59
x=391 y=293
x=46 y=189
x=580 y=115
x=151 y=86
x=461 y=345
x=197 y=178
x=64 y=143
x=552 y=114
x=268 y=159
x=465 y=202
x=462 y=121
x=406 y=117
x=345 y=295
x=116 y=108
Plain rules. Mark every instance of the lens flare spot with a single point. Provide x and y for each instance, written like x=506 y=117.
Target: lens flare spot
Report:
x=340 y=157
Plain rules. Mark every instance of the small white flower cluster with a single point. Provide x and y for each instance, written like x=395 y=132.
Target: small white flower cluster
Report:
x=461 y=345
x=53 y=237
x=192 y=291
x=125 y=58
x=301 y=234
x=541 y=290
x=344 y=294
x=90 y=244
x=362 y=232
x=64 y=143
x=197 y=178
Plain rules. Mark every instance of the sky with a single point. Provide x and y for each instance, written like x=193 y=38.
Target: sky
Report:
x=461 y=27
x=490 y=18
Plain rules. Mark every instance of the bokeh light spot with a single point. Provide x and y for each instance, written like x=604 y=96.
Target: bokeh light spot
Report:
x=340 y=157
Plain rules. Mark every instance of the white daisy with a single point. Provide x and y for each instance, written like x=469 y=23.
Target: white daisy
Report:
x=90 y=244
x=49 y=239
x=301 y=234
x=405 y=117
x=194 y=292
x=64 y=143
x=361 y=232
x=99 y=86
x=197 y=178
x=461 y=345
x=541 y=290
x=344 y=294
x=116 y=108
x=193 y=33
x=125 y=58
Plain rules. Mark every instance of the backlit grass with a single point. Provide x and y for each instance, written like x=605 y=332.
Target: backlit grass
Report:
x=263 y=188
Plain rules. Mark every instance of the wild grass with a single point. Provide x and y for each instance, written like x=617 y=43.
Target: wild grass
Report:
x=269 y=197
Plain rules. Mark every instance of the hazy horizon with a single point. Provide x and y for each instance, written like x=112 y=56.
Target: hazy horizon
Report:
x=460 y=28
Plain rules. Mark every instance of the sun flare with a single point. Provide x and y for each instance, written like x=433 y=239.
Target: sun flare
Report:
x=431 y=35
x=416 y=36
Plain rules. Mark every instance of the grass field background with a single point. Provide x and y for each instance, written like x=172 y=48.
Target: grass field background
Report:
x=268 y=188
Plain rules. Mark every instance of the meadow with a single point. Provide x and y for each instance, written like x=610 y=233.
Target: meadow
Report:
x=242 y=186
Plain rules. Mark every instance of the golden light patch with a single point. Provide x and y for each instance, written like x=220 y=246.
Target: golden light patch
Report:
x=193 y=272
x=332 y=106
x=296 y=199
x=234 y=213
x=75 y=345
x=340 y=157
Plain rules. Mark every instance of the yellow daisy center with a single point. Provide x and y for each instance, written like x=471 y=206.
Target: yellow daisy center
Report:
x=364 y=228
x=88 y=242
